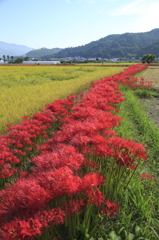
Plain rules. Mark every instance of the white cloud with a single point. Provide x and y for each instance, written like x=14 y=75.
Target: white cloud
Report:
x=149 y=19
x=68 y=1
x=94 y=1
x=134 y=8
x=144 y=12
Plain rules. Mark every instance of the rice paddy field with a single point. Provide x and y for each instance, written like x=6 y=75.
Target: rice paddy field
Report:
x=115 y=64
x=26 y=89
x=152 y=74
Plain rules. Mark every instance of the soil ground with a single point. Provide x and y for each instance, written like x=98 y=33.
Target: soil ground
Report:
x=152 y=104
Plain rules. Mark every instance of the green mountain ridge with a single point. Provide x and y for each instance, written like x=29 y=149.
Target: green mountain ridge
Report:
x=39 y=53
x=126 y=45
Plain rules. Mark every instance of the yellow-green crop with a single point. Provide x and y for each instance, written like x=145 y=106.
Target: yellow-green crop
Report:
x=106 y=64
x=26 y=89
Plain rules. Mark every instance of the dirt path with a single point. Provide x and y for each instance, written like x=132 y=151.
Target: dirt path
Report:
x=152 y=106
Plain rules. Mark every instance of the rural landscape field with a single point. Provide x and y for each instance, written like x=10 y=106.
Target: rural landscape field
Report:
x=79 y=153
x=152 y=74
x=26 y=89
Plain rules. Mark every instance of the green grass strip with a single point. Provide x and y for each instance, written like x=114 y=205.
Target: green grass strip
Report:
x=136 y=125
x=138 y=217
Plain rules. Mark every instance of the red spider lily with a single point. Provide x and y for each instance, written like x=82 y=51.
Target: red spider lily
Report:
x=30 y=228
x=61 y=107
x=20 y=229
x=90 y=114
x=126 y=151
x=55 y=216
x=92 y=180
x=31 y=194
x=5 y=173
x=24 y=197
x=91 y=164
x=102 y=96
x=29 y=149
x=148 y=176
x=103 y=149
x=25 y=117
x=94 y=197
x=62 y=156
x=110 y=208
x=73 y=206
x=21 y=137
x=60 y=182
x=23 y=174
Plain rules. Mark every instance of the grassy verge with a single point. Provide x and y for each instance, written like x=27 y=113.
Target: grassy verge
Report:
x=138 y=217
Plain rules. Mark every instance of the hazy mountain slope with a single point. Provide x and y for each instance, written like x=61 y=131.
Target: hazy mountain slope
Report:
x=12 y=49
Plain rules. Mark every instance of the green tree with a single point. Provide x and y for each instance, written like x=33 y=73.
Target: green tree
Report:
x=19 y=60
x=8 y=58
x=148 y=58
x=12 y=58
x=26 y=58
x=4 y=58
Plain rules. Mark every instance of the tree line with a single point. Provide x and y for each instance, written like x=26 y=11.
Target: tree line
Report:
x=147 y=58
x=11 y=59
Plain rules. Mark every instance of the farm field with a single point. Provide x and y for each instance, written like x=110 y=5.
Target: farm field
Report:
x=26 y=89
x=151 y=74
x=150 y=101
x=107 y=64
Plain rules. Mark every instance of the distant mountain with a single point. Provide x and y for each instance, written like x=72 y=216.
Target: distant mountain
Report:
x=12 y=49
x=116 y=45
x=40 y=53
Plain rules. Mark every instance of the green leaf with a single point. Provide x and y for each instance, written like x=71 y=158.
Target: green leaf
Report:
x=113 y=236
x=87 y=235
x=131 y=236
x=155 y=232
x=137 y=229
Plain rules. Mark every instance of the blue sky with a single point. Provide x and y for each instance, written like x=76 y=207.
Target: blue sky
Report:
x=71 y=23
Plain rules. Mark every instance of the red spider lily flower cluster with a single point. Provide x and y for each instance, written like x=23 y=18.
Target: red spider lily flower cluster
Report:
x=68 y=174
x=148 y=176
x=127 y=77
x=22 y=138
x=110 y=208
